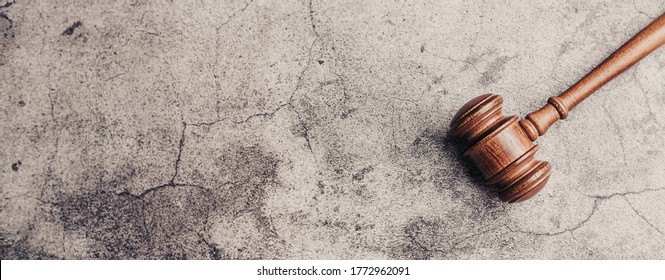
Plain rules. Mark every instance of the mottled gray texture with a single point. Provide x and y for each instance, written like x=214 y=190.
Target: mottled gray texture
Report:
x=292 y=129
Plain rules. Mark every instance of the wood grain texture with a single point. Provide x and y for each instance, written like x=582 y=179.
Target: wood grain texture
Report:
x=502 y=148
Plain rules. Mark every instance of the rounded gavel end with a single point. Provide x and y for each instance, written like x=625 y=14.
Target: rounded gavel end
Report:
x=501 y=148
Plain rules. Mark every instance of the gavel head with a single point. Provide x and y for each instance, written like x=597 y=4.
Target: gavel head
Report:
x=500 y=148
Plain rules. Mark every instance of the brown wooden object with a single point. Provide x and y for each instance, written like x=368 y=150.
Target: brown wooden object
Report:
x=502 y=147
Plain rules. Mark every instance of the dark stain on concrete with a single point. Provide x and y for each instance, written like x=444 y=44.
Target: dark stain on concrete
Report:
x=116 y=223
x=21 y=249
x=444 y=148
x=301 y=129
x=122 y=176
x=338 y=160
x=7 y=5
x=360 y=175
x=70 y=30
x=329 y=103
x=330 y=189
x=494 y=70
x=421 y=236
x=167 y=223
x=16 y=165
x=172 y=221
x=251 y=172
x=6 y=27
x=7 y=39
x=175 y=219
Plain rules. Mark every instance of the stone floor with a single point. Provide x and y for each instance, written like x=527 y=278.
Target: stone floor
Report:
x=296 y=129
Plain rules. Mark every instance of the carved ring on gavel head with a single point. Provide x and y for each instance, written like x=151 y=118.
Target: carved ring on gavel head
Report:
x=502 y=147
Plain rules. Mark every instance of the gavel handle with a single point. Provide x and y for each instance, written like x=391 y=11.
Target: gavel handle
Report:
x=557 y=107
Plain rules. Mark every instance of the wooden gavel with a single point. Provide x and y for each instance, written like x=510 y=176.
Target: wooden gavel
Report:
x=502 y=147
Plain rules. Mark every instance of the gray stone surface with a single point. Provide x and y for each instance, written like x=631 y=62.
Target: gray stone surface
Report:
x=296 y=129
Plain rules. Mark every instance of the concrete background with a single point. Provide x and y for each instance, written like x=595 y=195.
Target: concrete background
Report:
x=296 y=129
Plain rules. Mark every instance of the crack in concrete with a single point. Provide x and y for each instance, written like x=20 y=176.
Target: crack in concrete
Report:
x=311 y=18
x=453 y=60
x=218 y=37
x=646 y=97
x=181 y=145
x=160 y=187
x=460 y=241
x=641 y=12
x=596 y=202
x=341 y=81
x=426 y=249
x=56 y=145
x=624 y=193
x=144 y=224
x=305 y=133
x=242 y=10
x=396 y=149
x=451 y=248
x=288 y=104
x=214 y=251
x=114 y=77
x=209 y=123
x=52 y=106
x=575 y=227
x=563 y=50
x=268 y=114
x=144 y=215
x=393 y=98
x=640 y=215
x=7 y=5
x=618 y=133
